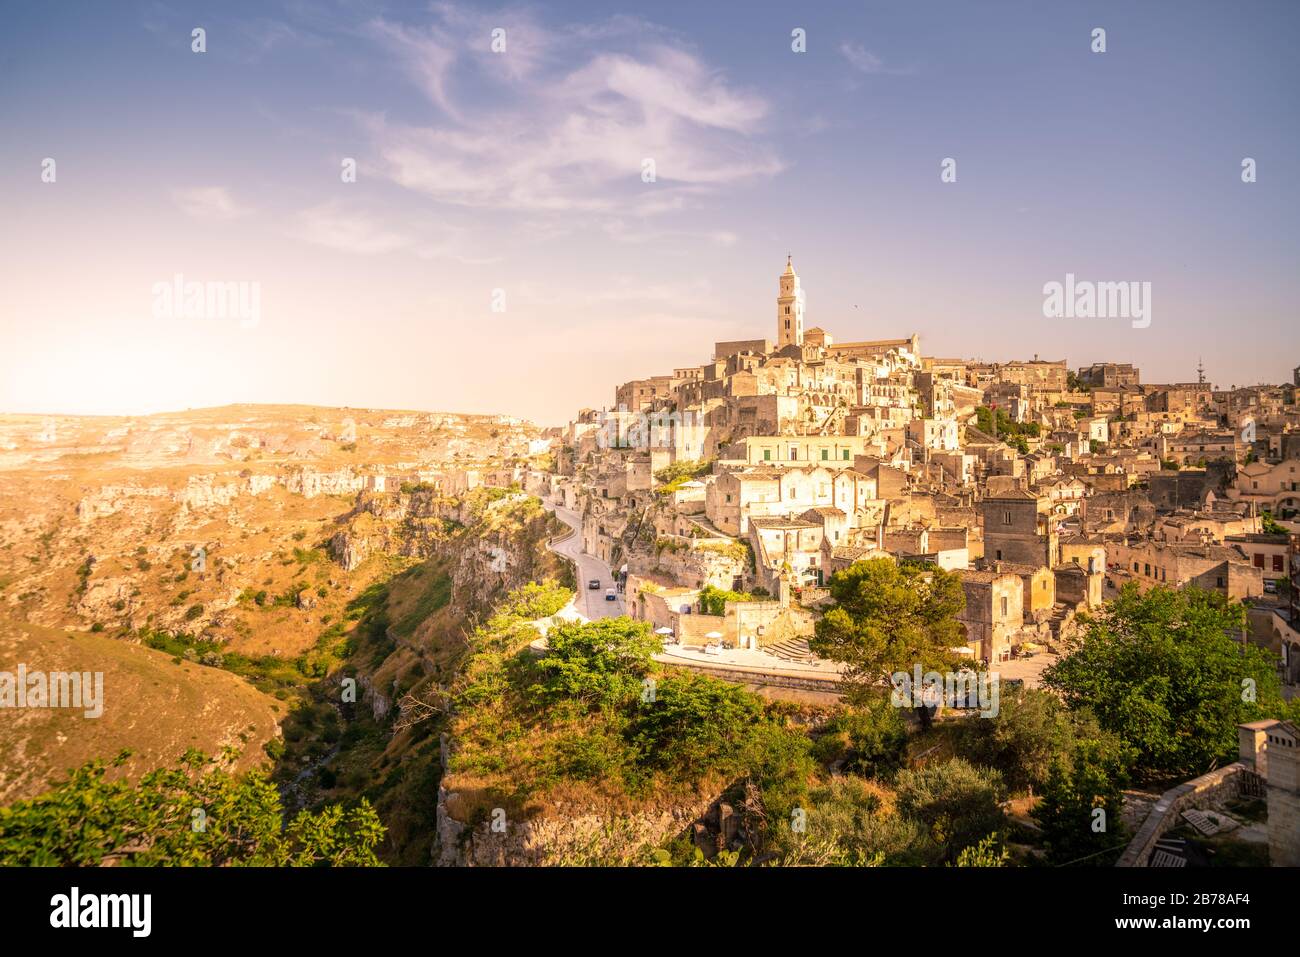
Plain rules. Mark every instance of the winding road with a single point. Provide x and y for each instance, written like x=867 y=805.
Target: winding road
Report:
x=589 y=601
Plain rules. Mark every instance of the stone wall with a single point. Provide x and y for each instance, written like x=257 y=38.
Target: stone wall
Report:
x=1211 y=789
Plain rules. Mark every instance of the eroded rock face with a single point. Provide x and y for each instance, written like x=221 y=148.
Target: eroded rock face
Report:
x=349 y=549
x=111 y=499
x=202 y=492
x=107 y=598
x=309 y=482
x=567 y=835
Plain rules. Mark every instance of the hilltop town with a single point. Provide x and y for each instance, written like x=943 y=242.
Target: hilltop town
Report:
x=253 y=561
x=720 y=499
x=1045 y=488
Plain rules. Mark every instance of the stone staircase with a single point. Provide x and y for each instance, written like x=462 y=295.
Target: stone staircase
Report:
x=791 y=649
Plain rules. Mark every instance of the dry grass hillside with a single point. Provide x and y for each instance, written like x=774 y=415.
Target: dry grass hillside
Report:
x=155 y=705
x=153 y=547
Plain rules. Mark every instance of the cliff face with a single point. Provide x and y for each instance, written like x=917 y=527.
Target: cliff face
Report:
x=566 y=836
x=475 y=552
x=492 y=542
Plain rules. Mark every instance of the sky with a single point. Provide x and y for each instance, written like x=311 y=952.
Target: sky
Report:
x=504 y=247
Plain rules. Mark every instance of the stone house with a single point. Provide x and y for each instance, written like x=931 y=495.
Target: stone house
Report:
x=735 y=496
x=1018 y=527
x=786 y=546
x=1271 y=554
x=1211 y=567
x=1272 y=750
x=993 y=614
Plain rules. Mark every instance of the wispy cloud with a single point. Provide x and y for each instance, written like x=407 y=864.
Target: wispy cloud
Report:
x=210 y=203
x=864 y=61
x=347 y=229
x=565 y=137
x=332 y=226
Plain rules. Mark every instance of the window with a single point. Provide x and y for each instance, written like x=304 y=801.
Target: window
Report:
x=998 y=554
x=1259 y=560
x=1004 y=607
x=826 y=453
x=767 y=455
x=794 y=453
x=1006 y=517
x=845 y=456
x=1277 y=563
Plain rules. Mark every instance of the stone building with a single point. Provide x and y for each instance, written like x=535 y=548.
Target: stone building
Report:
x=1272 y=750
x=1018 y=527
x=1210 y=567
x=994 y=612
x=1109 y=375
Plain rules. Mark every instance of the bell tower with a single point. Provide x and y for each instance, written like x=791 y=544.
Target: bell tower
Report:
x=789 y=309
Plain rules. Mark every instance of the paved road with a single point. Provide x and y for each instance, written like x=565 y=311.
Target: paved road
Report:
x=591 y=602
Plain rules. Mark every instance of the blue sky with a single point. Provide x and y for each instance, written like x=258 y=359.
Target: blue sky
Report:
x=521 y=172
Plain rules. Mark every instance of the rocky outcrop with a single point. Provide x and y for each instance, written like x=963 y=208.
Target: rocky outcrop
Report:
x=309 y=482
x=568 y=835
x=203 y=491
x=110 y=499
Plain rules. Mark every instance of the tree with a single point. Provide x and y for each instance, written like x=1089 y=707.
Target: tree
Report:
x=693 y=719
x=713 y=601
x=960 y=803
x=193 y=814
x=850 y=822
x=1082 y=801
x=1032 y=729
x=602 y=663
x=889 y=617
x=987 y=853
x=871 y=738
x=1165 y=672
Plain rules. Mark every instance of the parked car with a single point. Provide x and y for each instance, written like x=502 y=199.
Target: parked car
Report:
x=594 y=584
x=610 y=594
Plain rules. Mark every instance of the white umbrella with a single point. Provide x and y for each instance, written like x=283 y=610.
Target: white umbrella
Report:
x=713 y=635
x=663 y=631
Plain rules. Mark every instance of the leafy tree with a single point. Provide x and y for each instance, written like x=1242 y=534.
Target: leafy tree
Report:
x=987 y=853
x=1165 y=672
x=1078 y=787
x=890 y=617
x=1270 y=526
x=871 y=738
x=958 y=802
x=692 y=720
x=601 y=663
x=193 y=814
x=1030 y=731
x=850 y=821
x=713 y=601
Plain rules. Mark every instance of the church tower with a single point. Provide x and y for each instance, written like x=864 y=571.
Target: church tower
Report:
x=789 y=309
